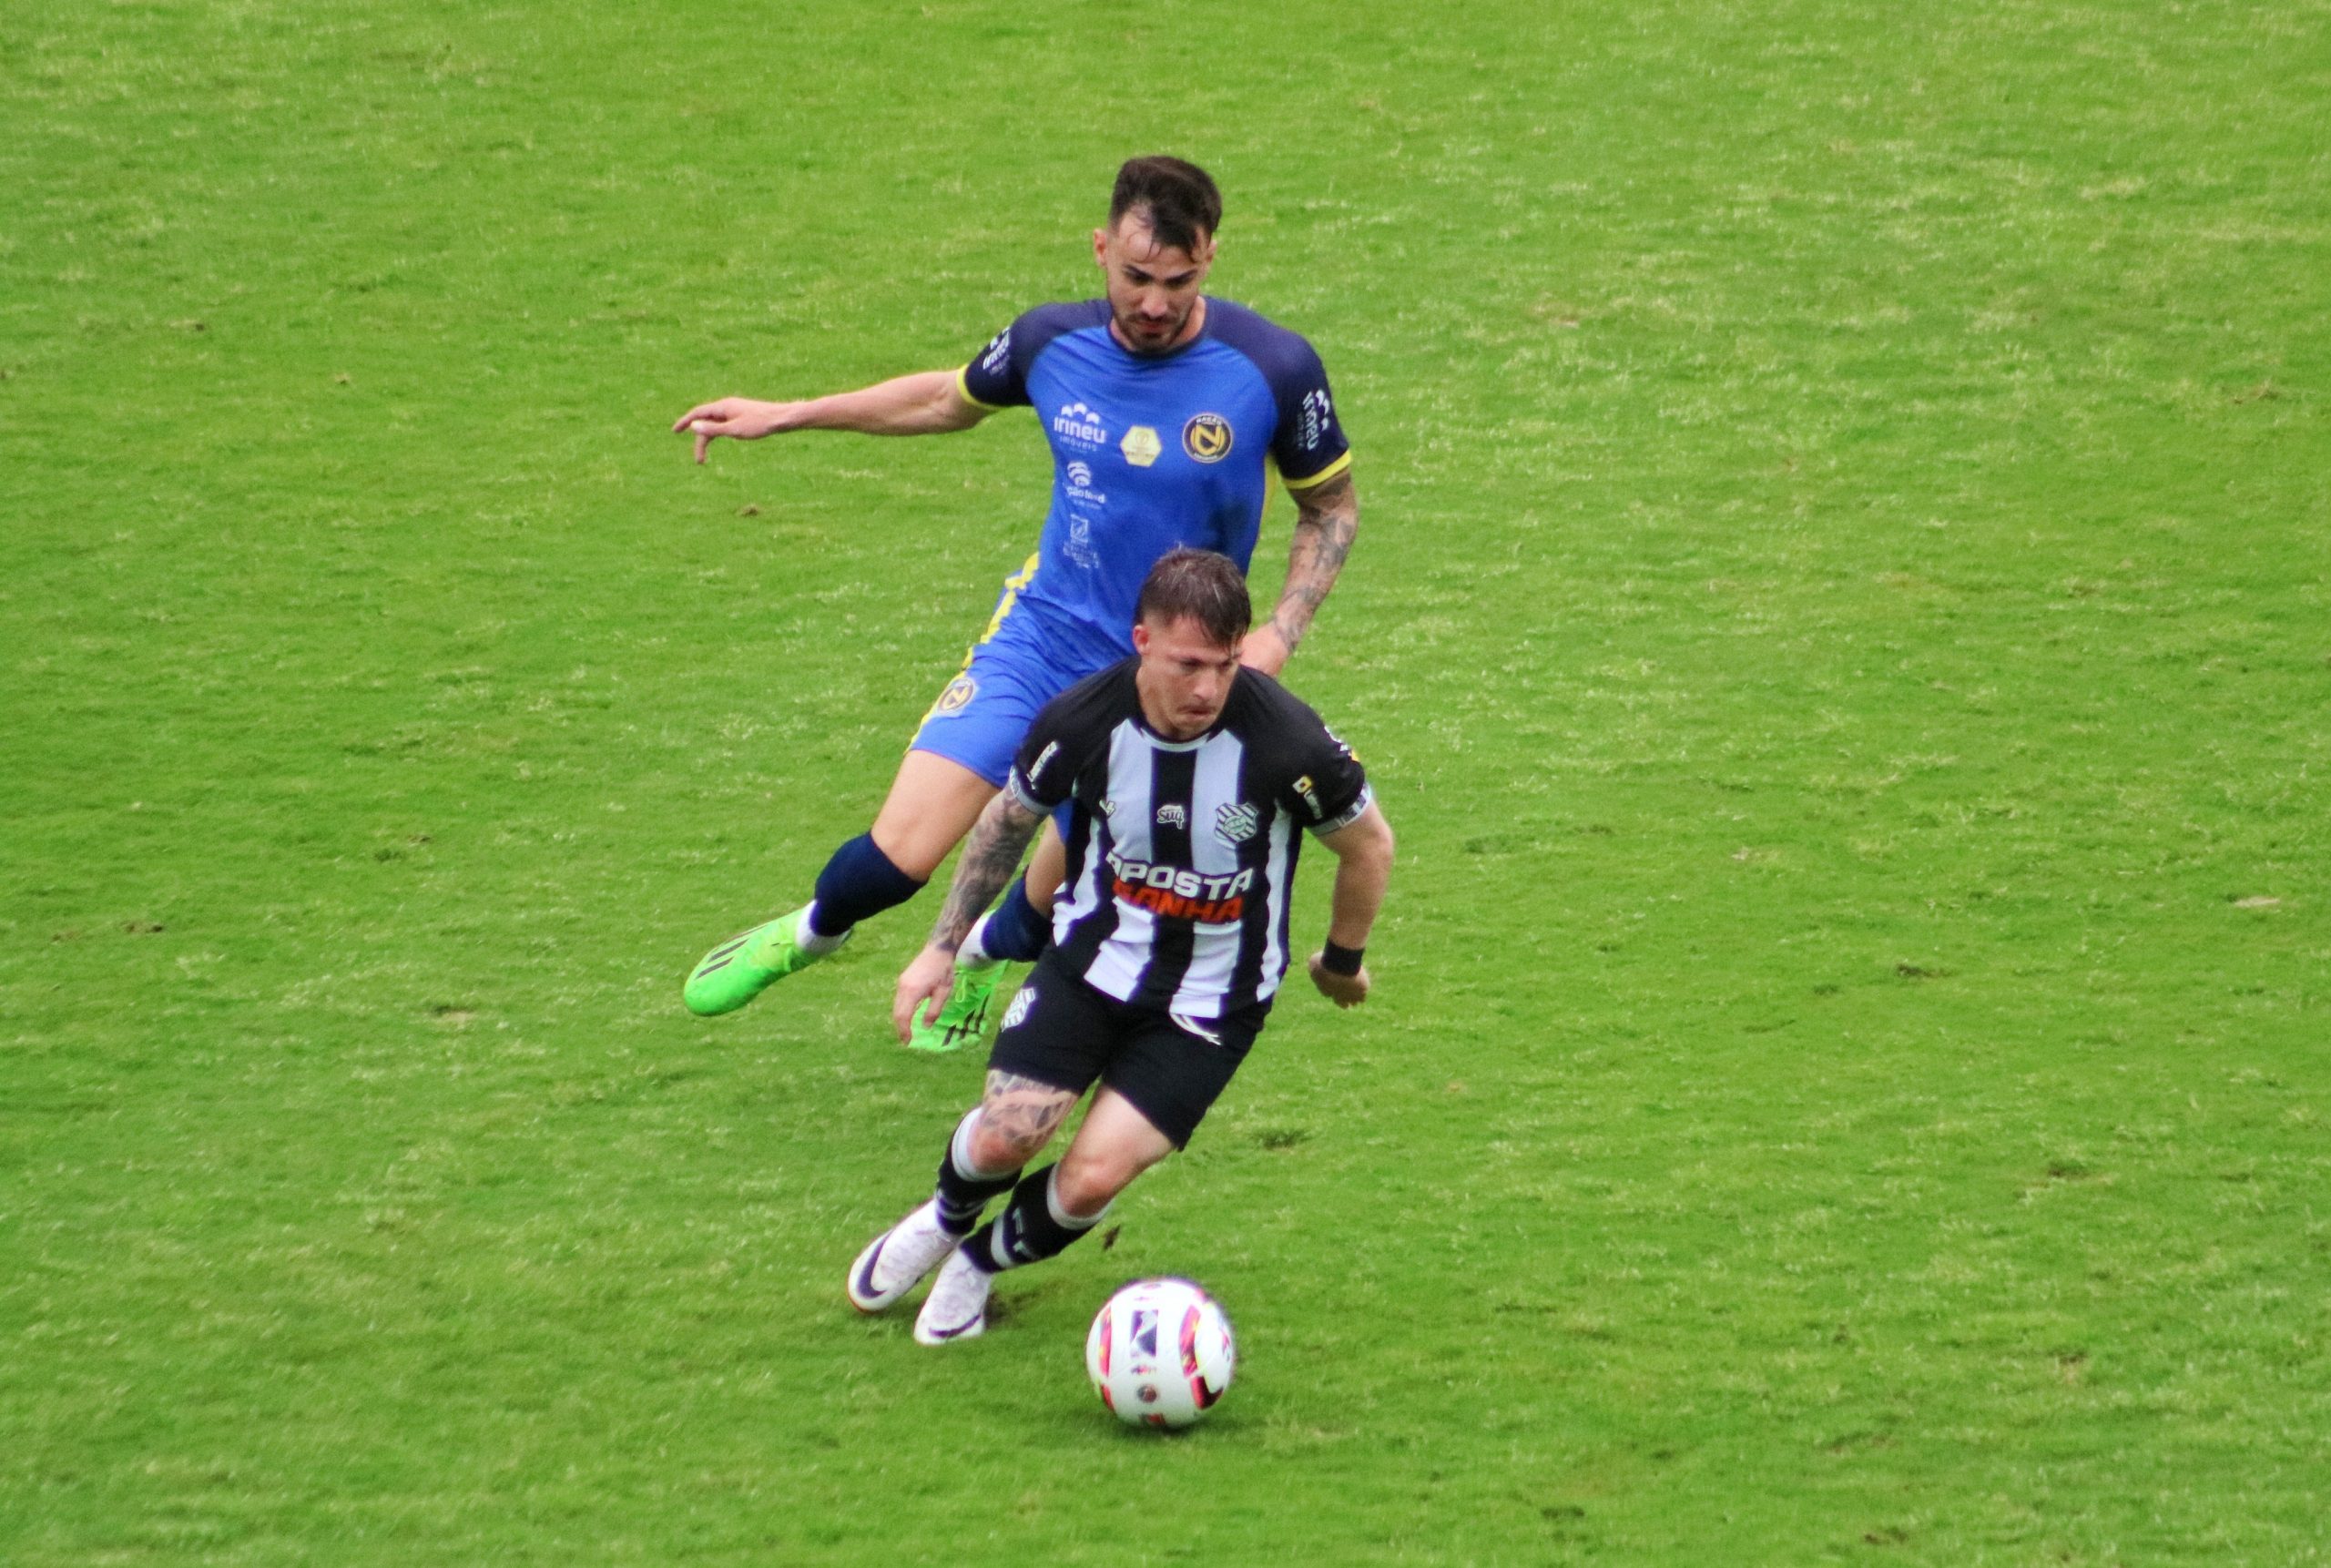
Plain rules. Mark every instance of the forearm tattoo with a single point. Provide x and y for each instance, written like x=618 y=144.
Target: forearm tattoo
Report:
x=1024 y=1111
x=990 y=855
x=1327 y=520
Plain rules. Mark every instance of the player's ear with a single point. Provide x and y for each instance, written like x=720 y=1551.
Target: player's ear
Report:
x=1140 y=638
x=1101 y=249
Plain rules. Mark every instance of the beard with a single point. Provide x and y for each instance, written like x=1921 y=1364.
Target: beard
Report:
x=1146 y=339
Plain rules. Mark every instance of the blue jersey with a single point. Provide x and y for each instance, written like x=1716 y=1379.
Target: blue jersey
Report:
x=1150 y=452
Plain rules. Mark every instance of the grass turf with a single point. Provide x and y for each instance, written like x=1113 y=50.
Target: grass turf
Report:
x=1839 y=626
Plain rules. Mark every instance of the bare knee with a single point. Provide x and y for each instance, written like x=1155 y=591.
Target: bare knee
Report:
x=996 y=1149
x=1088 y=1180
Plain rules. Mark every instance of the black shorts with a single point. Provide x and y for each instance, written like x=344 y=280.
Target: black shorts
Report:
x=1062 y=1031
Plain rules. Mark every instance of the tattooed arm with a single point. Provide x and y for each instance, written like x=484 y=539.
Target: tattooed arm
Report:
x=990 y=855
x=1326 y=518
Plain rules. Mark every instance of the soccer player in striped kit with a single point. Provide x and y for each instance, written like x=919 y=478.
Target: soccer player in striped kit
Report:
x=1168 y=411
x=1189 y=782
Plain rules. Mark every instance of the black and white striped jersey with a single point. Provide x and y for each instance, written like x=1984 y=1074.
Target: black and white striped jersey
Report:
x=1181 y=853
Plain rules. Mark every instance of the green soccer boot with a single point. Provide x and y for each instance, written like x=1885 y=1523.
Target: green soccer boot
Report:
x=743 y=966
x=963 y=1020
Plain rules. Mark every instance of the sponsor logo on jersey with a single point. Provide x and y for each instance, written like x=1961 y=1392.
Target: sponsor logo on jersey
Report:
x=1171 y=815
x=1206 y=437
x=1018 y=1011
x=1304 y=788
x=958 y=695
x=1141 y=446
x=1316 y=411
x=1044 y=760
x=1079 y=548
x=999 y=352
x=1080 y=485
x=1236 y=823
x=1172 y=893
x=1080 y=427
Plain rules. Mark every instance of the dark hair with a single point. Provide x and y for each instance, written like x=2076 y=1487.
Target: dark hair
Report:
x=1176 y=198
x=1202 y=585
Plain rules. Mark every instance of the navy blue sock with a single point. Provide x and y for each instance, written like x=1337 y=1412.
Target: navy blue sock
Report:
x=1030 y=1229
x=1014 y=929
x=858 y=883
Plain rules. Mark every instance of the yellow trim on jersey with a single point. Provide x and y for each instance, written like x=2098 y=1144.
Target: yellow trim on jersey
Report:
x=1004 y=608
x=1338 y=466
x=963 y=387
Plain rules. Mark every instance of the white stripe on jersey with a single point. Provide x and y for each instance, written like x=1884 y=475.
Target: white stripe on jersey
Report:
x=1277 y=888
x=1092 y=883
x=1115 y=969
x=1214 y=955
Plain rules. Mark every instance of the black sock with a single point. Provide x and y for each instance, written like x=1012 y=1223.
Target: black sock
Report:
x=964 y=1197
x=1014 y=929
x=861 y=881
x=1028 y=1230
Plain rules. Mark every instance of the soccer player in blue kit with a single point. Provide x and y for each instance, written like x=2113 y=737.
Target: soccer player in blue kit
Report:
x=1165 y=412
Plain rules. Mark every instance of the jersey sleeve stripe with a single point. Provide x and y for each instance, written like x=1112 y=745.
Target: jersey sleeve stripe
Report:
x=1338 y=466
x=963 y=390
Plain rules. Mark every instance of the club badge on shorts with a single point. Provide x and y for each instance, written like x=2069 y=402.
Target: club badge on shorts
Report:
x=955 y=698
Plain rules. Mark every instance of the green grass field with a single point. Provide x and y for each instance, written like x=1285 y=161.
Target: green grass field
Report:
x=1840 y=624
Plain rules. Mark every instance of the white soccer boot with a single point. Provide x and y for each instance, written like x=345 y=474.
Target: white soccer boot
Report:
x=895 y=1261
x=956 y=1307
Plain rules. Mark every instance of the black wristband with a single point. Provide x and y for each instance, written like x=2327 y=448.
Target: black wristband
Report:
x=1341 y=960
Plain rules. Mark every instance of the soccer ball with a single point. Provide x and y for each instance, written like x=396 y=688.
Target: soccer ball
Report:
x=1160 y=1353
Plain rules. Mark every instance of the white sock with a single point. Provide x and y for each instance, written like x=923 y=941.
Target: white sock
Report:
x=806 y=937
x=974 y=948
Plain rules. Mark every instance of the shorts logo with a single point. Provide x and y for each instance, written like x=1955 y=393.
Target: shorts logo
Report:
x=1236 y=824
x=1016 y=1013
x=1080 y=427
x=1206 y=437
x=1171 y=815
x=958 y=695
x=1108 y=807
x=1141 y=446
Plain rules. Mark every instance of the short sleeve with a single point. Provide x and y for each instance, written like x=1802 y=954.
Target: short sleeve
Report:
x=1308 y=445
x=996 y=377
x=1062 y=739
x=1331 y=788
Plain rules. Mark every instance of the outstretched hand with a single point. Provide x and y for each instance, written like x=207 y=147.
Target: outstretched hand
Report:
x=737 y=418
x=924 y=986
x=1343 y=990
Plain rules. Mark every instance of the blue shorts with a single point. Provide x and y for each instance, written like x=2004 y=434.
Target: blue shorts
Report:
x=983 y=714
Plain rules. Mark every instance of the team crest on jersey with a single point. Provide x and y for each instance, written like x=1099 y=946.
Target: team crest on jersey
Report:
x=1141 y=446
x=960 y=692
x=1019 y=1008
x=1206 y=437
x=1236 y=823
x=1171 y=815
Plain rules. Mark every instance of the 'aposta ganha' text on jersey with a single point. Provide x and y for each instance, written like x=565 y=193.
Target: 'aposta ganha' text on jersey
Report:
x=1182 y=853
